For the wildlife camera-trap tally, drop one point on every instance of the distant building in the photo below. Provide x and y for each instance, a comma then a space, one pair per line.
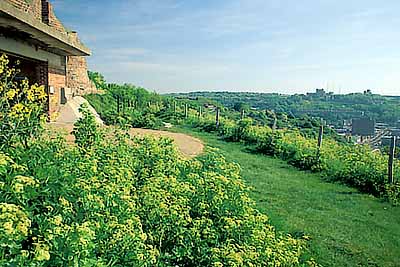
48, 53
368, 92
363, 127
321, 93
210, 106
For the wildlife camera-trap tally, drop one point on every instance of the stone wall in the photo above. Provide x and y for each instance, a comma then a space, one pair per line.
21, 5
77, 77
57, 82
41, 10
33, 7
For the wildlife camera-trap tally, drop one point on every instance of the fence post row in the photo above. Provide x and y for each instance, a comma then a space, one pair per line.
391, 159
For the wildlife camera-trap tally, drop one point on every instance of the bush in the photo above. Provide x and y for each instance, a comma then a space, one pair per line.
21, 107
392, 193
355, 165
86, 130
132, 202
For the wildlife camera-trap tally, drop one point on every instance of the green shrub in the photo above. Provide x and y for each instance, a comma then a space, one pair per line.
392, 193
132, 202
355, 165
86, 130
21, 107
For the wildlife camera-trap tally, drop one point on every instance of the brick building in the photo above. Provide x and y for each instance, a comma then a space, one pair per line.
48, 54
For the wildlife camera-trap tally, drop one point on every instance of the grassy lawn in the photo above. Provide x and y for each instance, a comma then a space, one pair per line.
346, 228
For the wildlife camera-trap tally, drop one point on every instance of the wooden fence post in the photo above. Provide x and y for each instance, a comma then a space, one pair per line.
123, 105
217, 118
118, 108
200, 112
275, 122
242, 114
186, 111
320, 137
391, 159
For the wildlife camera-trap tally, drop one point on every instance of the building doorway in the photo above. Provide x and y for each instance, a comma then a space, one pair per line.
34, 70
27, 69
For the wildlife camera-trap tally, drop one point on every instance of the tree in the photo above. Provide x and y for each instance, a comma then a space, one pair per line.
240, 106
97, 79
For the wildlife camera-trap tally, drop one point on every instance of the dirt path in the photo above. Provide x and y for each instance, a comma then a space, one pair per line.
189, 146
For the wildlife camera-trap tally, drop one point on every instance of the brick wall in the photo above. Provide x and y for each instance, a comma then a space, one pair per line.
41, 10
53, 20
21, 5
36, 9
57, 80
77, 77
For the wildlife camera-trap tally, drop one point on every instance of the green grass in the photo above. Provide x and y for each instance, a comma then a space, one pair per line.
346, 228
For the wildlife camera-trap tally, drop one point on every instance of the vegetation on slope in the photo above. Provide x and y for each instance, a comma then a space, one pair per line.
345, 228
290, 138
332, 108
355, 165
114, 200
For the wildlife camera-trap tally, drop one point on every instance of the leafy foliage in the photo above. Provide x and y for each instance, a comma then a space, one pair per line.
86, 130
332, 108
97, 79
132, 202
21, 107
129, 105
354, 165
129, 201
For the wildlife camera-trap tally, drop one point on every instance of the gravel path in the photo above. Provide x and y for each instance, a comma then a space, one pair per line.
189, 146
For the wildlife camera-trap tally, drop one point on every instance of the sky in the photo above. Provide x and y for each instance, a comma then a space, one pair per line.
284, 46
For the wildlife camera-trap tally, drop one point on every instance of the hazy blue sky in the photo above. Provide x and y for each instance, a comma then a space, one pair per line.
288, 46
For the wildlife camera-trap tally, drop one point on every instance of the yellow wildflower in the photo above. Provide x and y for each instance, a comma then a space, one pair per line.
57, 220
11, 94
13, 221
18, 188
8, 228
25, 253
27, 181
42, 252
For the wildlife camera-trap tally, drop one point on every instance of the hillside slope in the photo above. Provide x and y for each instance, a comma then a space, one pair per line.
346, 228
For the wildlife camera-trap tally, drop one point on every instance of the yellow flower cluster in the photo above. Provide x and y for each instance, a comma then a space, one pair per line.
4, 160
19, 111
42, 252
18, 100
86, 234
20, 182
3, 63
14, 222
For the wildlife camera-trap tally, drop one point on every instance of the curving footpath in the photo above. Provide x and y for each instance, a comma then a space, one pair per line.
189, 146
